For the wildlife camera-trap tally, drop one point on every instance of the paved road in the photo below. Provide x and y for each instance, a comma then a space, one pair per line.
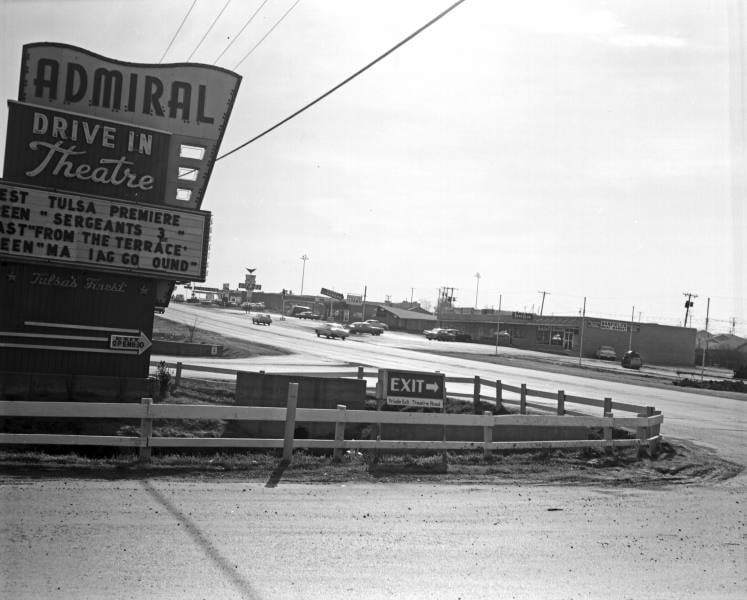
714, 421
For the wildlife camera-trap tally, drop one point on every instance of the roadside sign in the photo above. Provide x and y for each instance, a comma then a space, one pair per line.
411, 388
332, 294
139, 343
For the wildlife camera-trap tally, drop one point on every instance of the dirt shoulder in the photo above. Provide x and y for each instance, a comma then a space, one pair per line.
677, 463
166, 329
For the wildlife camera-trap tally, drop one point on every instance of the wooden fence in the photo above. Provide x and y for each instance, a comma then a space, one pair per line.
646, 427
479, 385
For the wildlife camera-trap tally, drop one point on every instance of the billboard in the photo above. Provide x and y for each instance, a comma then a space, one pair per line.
193, 102
69, 151
46, 226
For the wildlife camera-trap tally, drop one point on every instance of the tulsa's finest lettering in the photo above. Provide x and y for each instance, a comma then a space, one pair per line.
115, 172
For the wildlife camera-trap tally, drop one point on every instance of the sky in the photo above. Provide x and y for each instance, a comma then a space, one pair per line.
588, 149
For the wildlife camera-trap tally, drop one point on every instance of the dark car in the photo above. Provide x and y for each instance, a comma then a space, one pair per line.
460, 336
262, 319
363, 327
631, 360
309, 315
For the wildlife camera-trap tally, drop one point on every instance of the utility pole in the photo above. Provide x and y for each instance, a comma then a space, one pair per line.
705, 338
542, 306
412, 294
498, 325
365, 291
581, 344
688, 303
477, 291
630, 338
304, 258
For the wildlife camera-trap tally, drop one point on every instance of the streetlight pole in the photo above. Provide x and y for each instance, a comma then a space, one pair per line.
477, 291
581, 344
304, 258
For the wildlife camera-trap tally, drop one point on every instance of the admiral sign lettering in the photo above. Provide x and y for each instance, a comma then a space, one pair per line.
192, 102
48, 226
66, 150
332, 294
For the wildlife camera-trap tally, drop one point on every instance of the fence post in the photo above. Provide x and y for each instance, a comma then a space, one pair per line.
146, 430
476, 395
178, 376
290, 422
498, 396
339, 432
608, 432
561, 402
487, 432
523, 399
360, 372
607, 405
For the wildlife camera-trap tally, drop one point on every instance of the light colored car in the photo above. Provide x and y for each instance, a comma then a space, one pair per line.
606, 353
377, 323
331, 330
262, 319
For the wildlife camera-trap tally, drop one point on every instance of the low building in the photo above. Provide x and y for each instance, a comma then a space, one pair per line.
657, 344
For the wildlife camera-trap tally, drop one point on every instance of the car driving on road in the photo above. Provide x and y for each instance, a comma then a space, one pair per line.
331, 330
262, 319
365, 327
307, 314
377, 323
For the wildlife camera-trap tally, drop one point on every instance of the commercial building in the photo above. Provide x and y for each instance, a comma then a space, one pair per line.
657, 344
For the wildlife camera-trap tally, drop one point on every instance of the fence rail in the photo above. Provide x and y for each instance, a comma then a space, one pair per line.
646, 426
562, 399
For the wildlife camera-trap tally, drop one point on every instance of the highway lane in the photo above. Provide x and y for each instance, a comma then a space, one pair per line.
717, 422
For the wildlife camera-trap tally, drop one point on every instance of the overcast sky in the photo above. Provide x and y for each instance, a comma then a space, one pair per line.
584, 148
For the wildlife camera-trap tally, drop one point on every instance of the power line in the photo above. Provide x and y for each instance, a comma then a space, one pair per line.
209, 29
246, 24
177, 31
339, 85
265, 36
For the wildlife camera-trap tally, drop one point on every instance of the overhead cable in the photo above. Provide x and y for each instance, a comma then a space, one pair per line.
225, 6
264, 37
177, 31
246, 24
342, 83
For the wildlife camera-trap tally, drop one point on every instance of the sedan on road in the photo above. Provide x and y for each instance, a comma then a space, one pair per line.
262, 319
331, 330
377, 323
365, 327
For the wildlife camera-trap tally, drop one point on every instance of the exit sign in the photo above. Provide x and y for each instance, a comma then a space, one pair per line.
417, 389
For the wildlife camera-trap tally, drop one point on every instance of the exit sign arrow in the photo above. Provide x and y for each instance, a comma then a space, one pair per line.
139, 343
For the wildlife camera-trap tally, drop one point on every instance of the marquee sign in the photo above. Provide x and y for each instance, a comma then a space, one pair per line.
191, 101
41, 225
68, 151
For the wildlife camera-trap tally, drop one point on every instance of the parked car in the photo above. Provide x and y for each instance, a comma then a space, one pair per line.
364, 327
460, 336
376, 323
432, 334
631, 360
309, 315
262, 319
606, 353
331, 330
